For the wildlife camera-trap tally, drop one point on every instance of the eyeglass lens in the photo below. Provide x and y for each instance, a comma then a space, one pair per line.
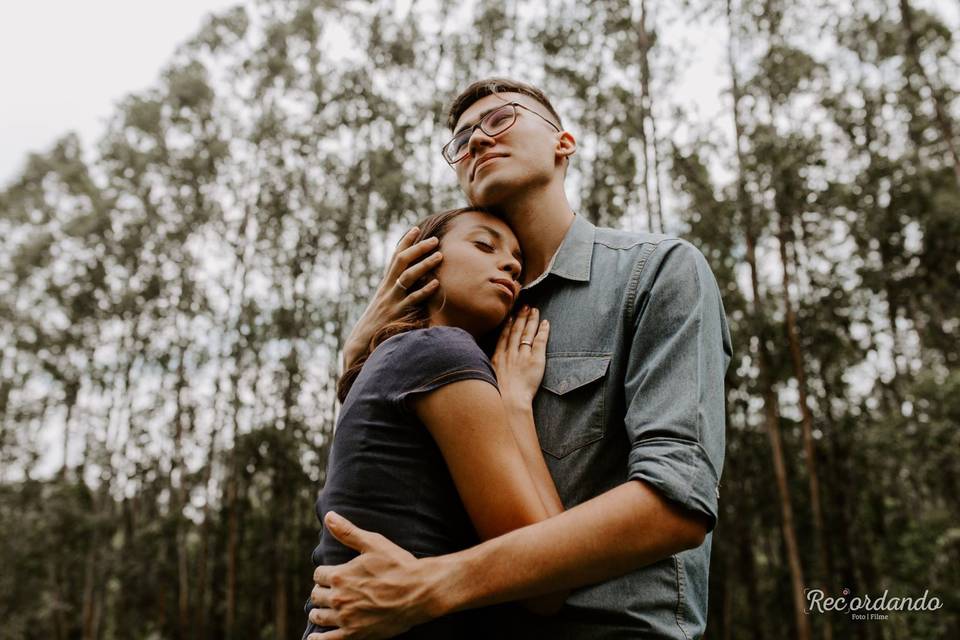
493, 123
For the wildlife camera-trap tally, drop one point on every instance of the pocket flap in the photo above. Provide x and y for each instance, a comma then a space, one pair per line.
566, 373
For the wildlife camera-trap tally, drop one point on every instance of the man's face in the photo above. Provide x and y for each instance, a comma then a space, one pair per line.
524, 156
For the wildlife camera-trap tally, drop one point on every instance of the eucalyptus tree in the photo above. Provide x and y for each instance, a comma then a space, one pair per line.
178, 298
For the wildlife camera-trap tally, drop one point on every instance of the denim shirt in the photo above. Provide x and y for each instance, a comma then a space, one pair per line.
633, 389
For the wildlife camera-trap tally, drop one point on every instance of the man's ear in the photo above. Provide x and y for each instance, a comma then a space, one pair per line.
566, 144
566, 147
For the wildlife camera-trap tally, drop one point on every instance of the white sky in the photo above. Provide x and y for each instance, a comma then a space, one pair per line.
64, 64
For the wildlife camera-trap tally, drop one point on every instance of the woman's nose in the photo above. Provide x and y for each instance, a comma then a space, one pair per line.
512, 266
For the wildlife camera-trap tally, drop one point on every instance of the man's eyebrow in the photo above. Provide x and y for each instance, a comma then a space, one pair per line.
499, 236
479, 118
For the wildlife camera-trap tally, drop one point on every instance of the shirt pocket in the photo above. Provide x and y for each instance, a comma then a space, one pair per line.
570, 408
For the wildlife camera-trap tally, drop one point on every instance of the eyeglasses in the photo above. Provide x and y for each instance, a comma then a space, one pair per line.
492, 124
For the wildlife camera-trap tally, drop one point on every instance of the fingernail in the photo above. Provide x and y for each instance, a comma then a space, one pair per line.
334, 518
544, 323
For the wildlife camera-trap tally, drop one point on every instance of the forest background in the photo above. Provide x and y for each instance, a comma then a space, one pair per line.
173, 298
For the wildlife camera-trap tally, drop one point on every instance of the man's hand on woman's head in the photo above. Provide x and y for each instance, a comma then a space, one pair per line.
521, 355
395, 295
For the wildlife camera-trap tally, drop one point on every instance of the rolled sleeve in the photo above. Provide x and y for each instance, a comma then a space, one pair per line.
674, 382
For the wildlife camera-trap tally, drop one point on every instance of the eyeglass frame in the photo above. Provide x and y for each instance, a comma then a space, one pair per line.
479, 125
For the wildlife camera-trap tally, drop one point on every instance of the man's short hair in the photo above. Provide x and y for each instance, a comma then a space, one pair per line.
491, 86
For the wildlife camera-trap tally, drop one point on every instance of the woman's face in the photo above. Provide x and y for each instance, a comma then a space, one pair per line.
480, 273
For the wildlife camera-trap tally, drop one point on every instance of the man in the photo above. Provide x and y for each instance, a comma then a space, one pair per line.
630, 413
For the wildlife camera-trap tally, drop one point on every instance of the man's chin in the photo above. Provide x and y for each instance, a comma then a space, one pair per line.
492, 195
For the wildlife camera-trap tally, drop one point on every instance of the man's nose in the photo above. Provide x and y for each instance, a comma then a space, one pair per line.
478, 140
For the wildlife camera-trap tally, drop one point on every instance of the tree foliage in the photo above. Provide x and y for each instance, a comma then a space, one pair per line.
174, 299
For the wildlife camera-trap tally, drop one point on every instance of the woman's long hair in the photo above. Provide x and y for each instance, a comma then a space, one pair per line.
418, 317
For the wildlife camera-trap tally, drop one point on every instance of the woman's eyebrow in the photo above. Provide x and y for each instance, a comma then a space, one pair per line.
499, 236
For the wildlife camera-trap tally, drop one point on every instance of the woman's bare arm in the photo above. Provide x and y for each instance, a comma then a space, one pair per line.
524, 430
470, 425
489, 440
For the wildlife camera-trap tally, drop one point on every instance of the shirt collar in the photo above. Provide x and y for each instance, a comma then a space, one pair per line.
572, 260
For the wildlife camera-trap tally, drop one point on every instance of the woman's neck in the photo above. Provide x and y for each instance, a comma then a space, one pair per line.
440, 319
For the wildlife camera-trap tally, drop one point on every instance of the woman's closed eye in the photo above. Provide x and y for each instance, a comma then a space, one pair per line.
485, 246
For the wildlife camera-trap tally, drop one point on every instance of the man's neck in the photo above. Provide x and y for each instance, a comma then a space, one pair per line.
540, 218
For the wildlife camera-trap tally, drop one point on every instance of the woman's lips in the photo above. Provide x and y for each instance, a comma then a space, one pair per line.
504, 287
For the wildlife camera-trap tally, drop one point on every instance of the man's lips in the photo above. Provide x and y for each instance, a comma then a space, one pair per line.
509, 285
484, 159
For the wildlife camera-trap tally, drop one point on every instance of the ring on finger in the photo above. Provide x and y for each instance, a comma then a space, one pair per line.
529, 344
400, 284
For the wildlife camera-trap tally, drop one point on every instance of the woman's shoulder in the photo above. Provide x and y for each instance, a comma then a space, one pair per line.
431, 335
420, 360
431, 348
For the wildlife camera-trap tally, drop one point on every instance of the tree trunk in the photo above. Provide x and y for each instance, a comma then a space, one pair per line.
280, 593
771, 411
772, 422
748, 574
90, 581
5, 388
231, 503
646, 114
71, 388
233, 537
799, 372
203, 571
940, 114
645, 169
55, 586
178, 501
233, 506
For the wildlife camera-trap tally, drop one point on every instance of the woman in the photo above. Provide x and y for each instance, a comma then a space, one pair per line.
435, 444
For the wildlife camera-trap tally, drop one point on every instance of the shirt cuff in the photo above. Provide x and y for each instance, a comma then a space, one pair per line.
681, 471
